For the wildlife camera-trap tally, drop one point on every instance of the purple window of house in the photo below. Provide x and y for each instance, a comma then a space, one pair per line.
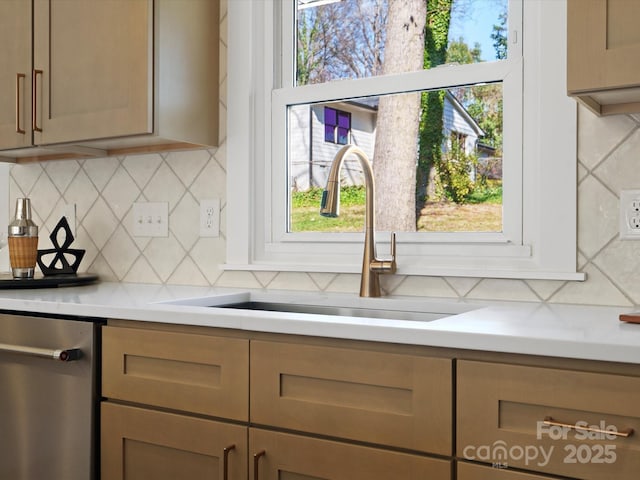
344, 126
329, 133
337, 126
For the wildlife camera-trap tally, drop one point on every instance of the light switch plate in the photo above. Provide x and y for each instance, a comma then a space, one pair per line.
150, 219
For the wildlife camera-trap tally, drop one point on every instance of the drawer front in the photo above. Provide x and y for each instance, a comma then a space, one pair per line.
471, 471
190, 372
389, 399
147, 444
280, 456
502, 410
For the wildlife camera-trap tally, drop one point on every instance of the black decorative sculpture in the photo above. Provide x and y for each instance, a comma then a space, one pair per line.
59, 264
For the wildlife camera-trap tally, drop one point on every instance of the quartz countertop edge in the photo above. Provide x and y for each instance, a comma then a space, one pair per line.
556, 330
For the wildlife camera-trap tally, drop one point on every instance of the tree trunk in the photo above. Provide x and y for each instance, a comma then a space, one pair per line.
394, 163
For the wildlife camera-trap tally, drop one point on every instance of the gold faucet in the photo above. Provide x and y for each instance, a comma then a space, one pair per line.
372, 267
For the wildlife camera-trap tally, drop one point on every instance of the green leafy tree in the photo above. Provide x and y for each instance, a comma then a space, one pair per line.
483, 102
499, 37
454, 173
432, 103
459, 52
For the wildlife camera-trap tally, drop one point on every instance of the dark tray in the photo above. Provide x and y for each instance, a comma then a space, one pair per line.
40, 281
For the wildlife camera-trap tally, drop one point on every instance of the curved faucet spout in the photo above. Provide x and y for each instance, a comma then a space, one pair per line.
330, 207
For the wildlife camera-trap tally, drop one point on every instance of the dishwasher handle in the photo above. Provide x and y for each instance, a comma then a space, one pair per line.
62, 355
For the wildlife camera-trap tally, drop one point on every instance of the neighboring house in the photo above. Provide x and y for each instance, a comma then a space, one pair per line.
318, 132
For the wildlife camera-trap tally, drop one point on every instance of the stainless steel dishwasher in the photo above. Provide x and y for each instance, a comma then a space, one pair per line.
48, 398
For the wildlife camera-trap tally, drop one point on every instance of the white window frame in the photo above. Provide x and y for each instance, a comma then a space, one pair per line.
539, 240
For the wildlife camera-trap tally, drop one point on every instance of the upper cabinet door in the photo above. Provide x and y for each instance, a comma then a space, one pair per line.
603, 41
15, 74
93, 69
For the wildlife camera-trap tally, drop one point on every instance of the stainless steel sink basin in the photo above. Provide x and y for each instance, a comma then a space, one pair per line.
336, 310
338, 305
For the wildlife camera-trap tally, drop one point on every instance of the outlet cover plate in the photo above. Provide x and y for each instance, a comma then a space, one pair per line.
210, 217
630, 214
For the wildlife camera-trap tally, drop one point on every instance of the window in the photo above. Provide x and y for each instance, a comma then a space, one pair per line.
458, 140
535, 237
337, 126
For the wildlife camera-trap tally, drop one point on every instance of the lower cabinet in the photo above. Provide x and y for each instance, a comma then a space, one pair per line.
469, 471
142, 444
177, 405
382, 398
557, 421
282, 456
199, 403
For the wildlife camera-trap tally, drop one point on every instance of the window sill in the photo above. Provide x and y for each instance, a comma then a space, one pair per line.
471, 272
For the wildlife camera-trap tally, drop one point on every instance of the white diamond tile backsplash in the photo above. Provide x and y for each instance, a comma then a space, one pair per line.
104, 190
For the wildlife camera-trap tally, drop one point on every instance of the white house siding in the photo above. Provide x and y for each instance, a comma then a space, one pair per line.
311, 156
455, 121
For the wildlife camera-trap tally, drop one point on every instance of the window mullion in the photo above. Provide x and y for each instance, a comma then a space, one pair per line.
434, 79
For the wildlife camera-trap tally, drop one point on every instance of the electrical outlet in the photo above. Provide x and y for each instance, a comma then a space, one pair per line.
630, 214
151, 219
210, 217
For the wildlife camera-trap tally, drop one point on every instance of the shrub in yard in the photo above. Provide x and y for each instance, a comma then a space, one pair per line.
454, 174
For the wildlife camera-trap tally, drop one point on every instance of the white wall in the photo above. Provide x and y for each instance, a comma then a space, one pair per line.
104, 189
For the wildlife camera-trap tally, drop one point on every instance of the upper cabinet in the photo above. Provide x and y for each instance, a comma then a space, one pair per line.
603, 45
93, 62
15, 74
108, 76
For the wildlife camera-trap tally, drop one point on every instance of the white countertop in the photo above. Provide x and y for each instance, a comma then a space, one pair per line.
570, 331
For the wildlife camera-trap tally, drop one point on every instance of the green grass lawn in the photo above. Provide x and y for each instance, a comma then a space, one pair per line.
482, 213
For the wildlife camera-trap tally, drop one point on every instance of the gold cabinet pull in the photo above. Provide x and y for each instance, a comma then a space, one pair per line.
225, 461
256, 461
627, 432
19, 76
34, 101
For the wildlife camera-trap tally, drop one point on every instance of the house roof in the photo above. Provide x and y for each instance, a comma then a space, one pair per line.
465, 114
371, 103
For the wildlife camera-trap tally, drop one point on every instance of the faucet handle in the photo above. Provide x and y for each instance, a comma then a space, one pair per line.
392, 264
386, 266
393, 247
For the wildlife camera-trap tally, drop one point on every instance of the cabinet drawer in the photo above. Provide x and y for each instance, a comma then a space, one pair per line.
195, 373
293, 457
502, 410
148, 444
383, 398
470, 471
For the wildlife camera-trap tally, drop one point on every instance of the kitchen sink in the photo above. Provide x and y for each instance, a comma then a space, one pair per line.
336, 310
338, 305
